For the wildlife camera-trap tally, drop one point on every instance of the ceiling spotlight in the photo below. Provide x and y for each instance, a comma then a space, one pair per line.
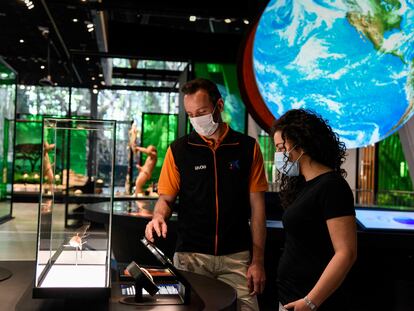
42, 67
95, 86
90, 29
227, 20
100, 75
55, 84
93, 78
192, 18
102, 82
246, 21
21, 41
89, 25
87, 59
75, 20
95, 91
29, 4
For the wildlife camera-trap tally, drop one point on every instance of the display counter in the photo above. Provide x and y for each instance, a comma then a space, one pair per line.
384, 268
16, 294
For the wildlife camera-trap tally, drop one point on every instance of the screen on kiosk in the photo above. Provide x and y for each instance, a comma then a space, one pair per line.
387, 220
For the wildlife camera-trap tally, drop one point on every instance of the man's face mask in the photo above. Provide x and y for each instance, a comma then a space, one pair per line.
205, 125
285, 166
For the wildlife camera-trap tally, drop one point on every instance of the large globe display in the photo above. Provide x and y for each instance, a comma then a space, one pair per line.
350, 61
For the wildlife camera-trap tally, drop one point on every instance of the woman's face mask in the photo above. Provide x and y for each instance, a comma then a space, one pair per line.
205, 125
285, 166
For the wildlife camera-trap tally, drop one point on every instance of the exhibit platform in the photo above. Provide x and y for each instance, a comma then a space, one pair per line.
16, 294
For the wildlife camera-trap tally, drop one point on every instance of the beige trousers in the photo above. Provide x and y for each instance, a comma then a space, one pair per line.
231, 269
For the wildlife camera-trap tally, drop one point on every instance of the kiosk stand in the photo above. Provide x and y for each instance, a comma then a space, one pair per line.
175, 293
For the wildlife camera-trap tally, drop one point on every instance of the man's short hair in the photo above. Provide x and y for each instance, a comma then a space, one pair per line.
195, 85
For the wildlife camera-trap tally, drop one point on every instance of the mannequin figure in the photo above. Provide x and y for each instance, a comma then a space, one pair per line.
145, 171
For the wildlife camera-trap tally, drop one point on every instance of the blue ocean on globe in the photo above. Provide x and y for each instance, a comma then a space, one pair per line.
350, 61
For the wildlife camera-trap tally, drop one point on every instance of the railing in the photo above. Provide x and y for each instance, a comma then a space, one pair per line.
396, 199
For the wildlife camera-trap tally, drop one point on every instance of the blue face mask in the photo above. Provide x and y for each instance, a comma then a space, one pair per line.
285, 166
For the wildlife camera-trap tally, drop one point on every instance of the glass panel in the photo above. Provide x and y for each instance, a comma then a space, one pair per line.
81, 102
27, 156
79, 258
130, 82
122, 183
148, 64
39, 100
395, 188
158, 130
268, 150
7, 107
225, 76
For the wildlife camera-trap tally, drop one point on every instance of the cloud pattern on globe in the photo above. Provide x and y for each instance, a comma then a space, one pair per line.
350, 61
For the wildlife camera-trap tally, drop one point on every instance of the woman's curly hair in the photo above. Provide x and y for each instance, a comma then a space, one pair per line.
309, 131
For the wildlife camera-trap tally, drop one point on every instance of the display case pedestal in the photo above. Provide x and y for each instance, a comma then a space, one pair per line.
5, 274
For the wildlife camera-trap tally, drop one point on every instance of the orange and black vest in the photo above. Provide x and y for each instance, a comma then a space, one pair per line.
213, 204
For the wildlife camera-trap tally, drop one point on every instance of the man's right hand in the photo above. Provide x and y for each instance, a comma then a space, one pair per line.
157, 225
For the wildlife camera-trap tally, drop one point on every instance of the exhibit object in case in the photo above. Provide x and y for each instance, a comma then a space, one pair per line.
74, 263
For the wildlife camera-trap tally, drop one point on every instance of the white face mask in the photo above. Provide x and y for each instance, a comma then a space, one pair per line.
285, 166
205, 125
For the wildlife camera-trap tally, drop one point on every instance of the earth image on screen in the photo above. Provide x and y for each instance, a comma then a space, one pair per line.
350, 61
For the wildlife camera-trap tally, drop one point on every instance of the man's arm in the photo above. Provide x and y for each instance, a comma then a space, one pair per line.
256, 274
162, 212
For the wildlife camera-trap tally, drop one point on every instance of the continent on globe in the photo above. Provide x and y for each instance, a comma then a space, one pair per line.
351, 61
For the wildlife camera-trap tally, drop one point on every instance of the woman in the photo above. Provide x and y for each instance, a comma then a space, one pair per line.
319, 218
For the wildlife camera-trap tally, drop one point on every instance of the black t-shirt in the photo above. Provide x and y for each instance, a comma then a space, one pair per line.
308, 247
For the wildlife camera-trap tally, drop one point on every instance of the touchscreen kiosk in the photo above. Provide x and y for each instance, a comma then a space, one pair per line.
388, 220
176, 292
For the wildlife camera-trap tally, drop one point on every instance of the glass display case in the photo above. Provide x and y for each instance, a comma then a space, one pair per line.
74, 263
8, 81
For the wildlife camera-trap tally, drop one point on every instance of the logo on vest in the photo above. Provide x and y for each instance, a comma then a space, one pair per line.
234, 165
200, 167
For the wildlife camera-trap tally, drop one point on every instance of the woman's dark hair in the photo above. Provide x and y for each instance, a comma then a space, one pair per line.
210, 87
309, 131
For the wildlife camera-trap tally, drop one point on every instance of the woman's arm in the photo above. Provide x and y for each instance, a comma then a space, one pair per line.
342, 231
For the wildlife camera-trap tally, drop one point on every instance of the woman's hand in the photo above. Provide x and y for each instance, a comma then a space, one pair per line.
298, 305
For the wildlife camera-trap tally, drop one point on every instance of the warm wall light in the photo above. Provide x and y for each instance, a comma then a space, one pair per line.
227, 20
192, 18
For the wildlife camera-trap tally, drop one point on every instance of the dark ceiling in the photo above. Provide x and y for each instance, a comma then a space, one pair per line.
138, 29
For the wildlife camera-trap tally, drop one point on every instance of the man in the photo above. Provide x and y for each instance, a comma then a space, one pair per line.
218, 175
